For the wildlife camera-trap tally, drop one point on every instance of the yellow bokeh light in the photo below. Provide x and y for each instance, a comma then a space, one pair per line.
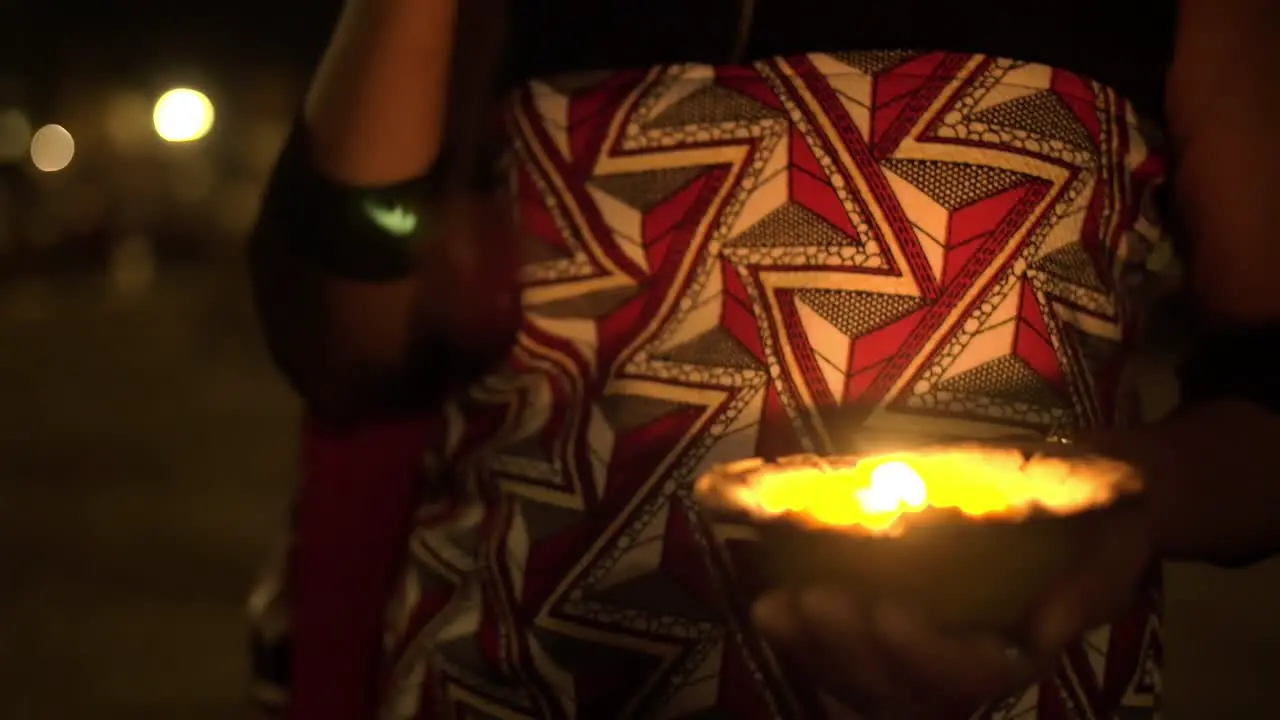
183, 115
52, 148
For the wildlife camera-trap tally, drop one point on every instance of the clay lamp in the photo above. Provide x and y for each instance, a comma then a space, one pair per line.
971, 535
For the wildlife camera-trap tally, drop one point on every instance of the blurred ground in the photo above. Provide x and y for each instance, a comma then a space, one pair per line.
145, 467
145, 464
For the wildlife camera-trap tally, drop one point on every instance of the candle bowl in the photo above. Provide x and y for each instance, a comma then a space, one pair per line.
972, 536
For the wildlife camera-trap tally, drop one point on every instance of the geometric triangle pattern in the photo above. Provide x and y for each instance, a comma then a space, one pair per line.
954, 185
1073, 265
1013, 379
727, 262
1044, 113
855, 313
873, 62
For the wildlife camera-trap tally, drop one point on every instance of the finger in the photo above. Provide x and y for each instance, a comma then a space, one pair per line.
1097, 591
823, 633
838, 627
959, 669
775, 619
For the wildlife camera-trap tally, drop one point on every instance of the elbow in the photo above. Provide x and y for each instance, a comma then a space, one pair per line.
339, 344
345, 392
360, 349
343, 376
289, 301
343, 395
346, 399
332, 387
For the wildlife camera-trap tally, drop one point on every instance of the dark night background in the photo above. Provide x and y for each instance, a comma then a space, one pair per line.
146, 448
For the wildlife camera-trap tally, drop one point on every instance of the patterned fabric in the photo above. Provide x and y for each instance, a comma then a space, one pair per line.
722, 261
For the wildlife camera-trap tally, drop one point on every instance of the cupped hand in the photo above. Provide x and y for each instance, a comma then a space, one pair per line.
886, 659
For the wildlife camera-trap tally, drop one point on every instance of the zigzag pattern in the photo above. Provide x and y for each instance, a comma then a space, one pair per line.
722, 261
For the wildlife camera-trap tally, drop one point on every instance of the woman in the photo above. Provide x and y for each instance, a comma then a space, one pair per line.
915, 216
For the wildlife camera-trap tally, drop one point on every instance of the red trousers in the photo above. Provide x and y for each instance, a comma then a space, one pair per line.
356, 501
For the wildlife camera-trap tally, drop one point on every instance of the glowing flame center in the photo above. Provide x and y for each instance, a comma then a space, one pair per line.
878, 494
894, 486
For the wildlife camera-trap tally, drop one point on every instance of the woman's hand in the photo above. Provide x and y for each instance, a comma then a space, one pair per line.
890, 661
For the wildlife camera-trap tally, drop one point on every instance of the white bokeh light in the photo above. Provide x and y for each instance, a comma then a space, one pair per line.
52, 148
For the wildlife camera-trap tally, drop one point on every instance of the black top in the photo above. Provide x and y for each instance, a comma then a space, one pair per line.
1126, 44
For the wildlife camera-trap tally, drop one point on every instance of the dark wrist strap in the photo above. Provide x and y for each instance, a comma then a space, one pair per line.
367, 234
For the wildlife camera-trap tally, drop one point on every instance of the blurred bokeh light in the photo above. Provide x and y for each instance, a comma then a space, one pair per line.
52, 148
15, 135
183, 115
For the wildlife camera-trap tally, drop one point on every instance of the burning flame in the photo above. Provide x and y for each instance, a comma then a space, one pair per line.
878, 494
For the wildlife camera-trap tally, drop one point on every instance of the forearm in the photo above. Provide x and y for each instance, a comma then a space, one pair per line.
1213, 486
1223, 91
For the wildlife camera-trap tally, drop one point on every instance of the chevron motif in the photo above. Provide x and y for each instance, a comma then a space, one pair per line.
806, 254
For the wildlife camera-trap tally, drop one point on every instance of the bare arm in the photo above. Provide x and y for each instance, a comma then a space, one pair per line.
376, 105
1216, 485
376, 115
